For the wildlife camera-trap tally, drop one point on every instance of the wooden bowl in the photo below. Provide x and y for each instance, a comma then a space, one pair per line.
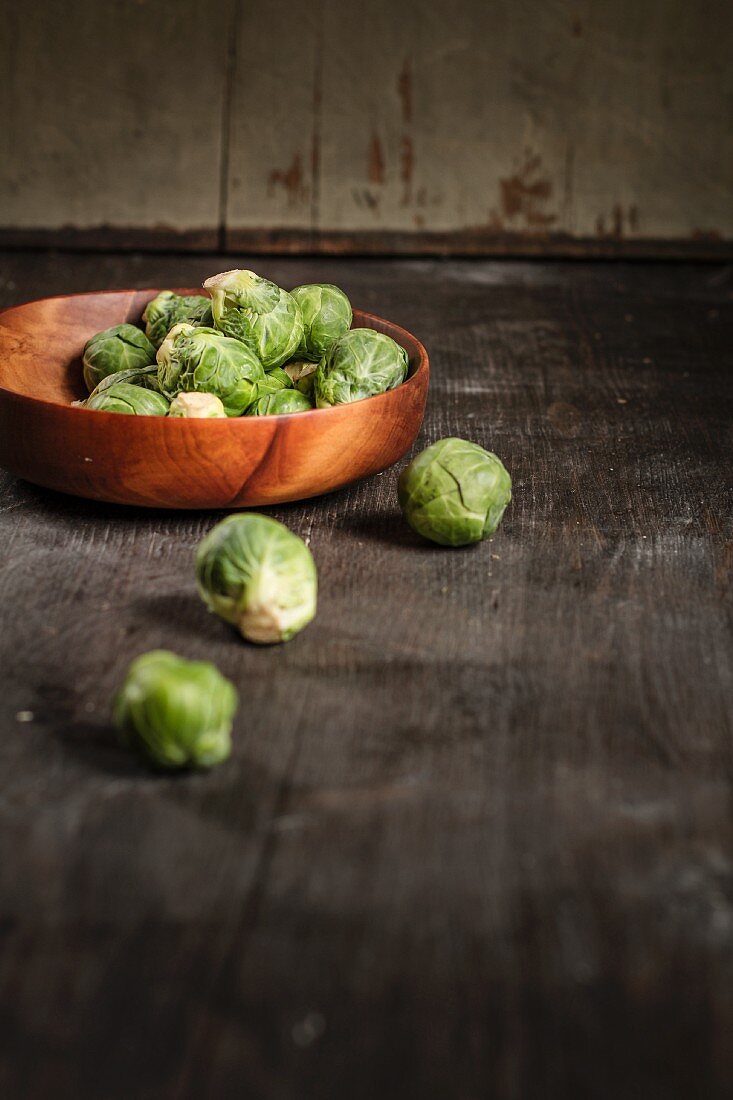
163, 462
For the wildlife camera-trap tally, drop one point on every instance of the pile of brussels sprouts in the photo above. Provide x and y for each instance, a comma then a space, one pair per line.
257, 575
250, 349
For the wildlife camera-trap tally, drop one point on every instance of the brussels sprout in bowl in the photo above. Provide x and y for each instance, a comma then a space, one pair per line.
121, 347
124, 397
168, 309
327, 315
197, 358
240, 461
302, 374
282, 403
362, 363
258, 312
195, 405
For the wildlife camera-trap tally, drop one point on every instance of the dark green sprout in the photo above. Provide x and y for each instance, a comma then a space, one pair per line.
122, 347
454, 492
123, 397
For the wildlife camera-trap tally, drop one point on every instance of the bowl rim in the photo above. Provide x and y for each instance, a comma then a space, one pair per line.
415, 378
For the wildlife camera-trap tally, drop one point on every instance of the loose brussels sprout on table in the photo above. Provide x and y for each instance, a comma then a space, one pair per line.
280, 404
123, 397
121, 347
257, 575
197, 406
361, 363
168, 309
326, 316
260, 314
175, 713
454, 492
199, 358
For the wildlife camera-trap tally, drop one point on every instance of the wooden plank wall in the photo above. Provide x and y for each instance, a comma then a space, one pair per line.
589, 126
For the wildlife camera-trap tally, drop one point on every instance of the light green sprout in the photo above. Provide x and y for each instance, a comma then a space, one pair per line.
258, 313
197, 406
274, 381
454, 492
257, 575
326, 316
280, 403
175, 713
199, 358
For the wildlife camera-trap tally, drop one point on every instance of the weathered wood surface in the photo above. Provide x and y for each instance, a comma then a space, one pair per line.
456, 124
112, 116
475, 837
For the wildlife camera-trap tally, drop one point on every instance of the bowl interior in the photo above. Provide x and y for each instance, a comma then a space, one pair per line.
41, 343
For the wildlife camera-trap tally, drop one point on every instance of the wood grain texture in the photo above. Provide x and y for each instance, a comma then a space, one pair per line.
599, 126
475, 836
162, 462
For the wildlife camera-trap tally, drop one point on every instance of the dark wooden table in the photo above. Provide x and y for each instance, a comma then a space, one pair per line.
475, 839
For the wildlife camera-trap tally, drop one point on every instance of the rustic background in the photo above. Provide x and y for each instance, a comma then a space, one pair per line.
554, 126
475, 839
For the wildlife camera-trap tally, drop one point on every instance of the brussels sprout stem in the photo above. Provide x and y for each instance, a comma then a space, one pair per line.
262, 620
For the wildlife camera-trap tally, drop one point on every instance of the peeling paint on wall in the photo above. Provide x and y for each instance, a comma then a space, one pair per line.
375, 161
620, 106
524, 195
404, 90
407, 163
291, 180
623, 221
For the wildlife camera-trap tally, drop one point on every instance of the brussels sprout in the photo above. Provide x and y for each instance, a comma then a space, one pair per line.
274, 381
326, 316
118, 348
147, 377
303, 374
175, 713
168, 309
454, 492
192, 358
257, 575
197, 406
123, 397
136, 376
361, 363
257, 312
280, 403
